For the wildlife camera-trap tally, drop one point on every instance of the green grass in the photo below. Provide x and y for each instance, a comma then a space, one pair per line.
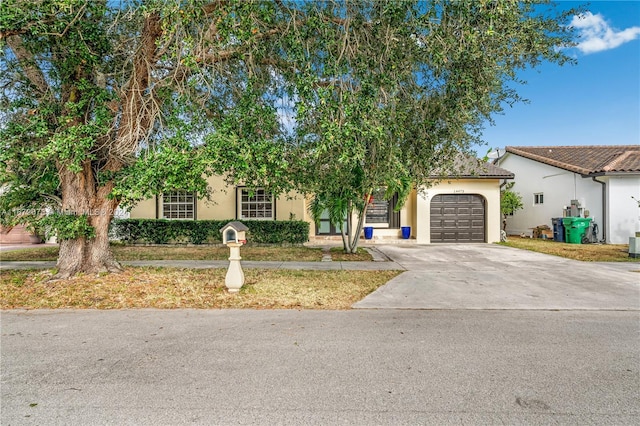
584, 252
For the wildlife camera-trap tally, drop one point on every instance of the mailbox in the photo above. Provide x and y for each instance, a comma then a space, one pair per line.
234, 232
234, 236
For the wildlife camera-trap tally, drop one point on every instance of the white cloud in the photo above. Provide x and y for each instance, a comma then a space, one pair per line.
595, 34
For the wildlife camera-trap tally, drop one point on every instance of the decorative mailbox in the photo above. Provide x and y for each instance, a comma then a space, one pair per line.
234, 236
234, 232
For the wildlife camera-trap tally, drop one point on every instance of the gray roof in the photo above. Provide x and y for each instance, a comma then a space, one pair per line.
238, 226
468, 167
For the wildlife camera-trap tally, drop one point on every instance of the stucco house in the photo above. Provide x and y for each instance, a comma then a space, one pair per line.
601, 181
460, 209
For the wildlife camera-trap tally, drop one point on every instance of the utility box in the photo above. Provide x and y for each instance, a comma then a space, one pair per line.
234, 232
634, 246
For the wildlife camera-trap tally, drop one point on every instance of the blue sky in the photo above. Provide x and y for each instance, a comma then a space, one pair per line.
596, 102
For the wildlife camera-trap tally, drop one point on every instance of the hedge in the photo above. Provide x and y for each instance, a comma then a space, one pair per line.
162, 231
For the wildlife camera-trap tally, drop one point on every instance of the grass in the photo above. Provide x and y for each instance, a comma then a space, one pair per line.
584, 252
172, 288
125, 253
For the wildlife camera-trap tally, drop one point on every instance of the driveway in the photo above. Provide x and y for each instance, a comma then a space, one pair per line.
487, 276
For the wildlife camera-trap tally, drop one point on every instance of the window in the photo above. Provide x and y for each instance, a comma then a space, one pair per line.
256, 204
538, 198
178, 205
381, 211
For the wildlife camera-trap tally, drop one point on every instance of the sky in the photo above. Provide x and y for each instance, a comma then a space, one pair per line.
596, 102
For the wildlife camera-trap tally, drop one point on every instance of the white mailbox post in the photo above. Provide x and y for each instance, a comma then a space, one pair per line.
234, 236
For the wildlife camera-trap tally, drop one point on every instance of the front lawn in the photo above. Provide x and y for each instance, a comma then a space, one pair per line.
584, 252
171, 288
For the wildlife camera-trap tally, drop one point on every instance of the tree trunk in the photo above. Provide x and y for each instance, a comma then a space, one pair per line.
79, 197
353, 244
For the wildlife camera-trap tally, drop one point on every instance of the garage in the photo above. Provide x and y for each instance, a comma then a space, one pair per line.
457, 218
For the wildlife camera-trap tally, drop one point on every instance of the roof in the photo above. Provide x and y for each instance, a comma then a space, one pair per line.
238, 226
467, 167
585, 160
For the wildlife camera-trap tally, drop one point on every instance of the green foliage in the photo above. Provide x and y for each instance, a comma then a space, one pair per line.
510, 201
111, 101
66, 226
206, 231
104, 102
389, 92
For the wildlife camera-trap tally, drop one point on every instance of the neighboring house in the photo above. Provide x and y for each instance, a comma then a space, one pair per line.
601, 178
460, 210
16, 235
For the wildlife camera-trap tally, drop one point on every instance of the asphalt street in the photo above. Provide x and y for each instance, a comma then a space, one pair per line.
468, 334
392, 367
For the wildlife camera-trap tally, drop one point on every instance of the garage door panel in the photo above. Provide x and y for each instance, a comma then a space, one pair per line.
448, 199
457, 218
462, 224
449, 236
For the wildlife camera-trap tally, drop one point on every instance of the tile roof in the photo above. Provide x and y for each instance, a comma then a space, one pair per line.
585, 160
468, 167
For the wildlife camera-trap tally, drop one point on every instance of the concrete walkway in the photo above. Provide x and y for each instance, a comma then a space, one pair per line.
207, 264
380, 262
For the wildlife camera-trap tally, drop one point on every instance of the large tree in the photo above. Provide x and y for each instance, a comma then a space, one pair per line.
106, 102
395, 90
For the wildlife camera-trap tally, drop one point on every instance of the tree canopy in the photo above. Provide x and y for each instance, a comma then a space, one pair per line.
106, 103
388, 92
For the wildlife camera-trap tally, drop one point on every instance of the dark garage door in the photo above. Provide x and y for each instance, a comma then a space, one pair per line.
457, 218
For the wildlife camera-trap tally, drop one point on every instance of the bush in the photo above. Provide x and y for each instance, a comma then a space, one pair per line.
162, 231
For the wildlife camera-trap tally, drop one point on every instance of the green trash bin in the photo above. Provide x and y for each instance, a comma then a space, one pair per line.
575, 228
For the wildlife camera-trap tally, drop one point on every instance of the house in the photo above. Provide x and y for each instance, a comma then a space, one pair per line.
460, 209
598, 181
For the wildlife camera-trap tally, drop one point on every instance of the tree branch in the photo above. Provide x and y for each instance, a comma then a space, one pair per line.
137, 105
28, 64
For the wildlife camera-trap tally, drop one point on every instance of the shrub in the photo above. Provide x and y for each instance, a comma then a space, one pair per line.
162, 231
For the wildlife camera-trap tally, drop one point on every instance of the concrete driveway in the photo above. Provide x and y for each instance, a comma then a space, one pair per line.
486, 276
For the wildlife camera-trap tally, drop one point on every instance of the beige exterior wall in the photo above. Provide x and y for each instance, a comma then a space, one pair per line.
415, 213
222, 205
487, 188
145, 209
292, 206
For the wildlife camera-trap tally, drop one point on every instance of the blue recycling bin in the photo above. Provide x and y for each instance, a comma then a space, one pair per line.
558, 229
406, 232
368, 232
